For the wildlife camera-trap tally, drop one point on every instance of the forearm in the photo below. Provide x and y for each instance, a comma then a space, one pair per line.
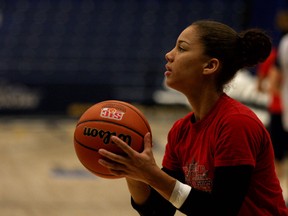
155, 204
139, 191
161, 182
147, 201
225, 198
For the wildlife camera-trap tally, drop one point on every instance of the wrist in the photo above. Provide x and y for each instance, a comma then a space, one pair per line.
179, 194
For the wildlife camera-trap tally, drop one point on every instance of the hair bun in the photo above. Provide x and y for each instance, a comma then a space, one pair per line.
255, 46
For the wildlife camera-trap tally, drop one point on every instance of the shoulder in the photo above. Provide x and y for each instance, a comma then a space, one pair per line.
236, 115
239, 130
179, 126
234, 106
183, 121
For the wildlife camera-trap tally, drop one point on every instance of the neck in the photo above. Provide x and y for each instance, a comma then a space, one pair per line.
201, 105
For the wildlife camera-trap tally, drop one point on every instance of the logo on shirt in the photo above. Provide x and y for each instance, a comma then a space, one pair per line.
196, 175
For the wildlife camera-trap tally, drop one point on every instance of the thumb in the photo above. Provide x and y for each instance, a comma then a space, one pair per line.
148, 141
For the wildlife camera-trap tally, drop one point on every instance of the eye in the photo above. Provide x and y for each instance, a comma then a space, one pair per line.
181, 49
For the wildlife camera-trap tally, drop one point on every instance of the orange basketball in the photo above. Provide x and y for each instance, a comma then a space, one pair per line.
96, 126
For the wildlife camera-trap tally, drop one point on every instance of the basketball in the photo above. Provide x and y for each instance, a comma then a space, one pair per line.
99, 123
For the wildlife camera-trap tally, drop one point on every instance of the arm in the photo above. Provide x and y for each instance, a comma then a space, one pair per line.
275, 80
139, 191
155, 204
230, 186
140, 170
161, 182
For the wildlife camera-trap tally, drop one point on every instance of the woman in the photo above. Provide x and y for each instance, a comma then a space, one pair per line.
269, 71
282, 23
219, 158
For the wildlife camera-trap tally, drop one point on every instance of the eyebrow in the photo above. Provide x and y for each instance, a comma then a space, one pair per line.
182, 41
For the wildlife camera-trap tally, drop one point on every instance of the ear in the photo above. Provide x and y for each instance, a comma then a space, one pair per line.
211, 66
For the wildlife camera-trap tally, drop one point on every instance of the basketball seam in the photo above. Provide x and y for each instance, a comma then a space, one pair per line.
99, 173
88, 147
140, 114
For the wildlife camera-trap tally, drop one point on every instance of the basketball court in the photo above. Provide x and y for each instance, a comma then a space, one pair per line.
41, 175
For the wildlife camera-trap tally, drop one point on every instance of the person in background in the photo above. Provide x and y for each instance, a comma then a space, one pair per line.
272, 70
219, 158
270, 81
283, 63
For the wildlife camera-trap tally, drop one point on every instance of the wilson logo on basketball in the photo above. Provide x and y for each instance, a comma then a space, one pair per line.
111, 113
105, 135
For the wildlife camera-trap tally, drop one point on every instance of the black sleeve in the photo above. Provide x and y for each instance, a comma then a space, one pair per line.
156, 205
230, 186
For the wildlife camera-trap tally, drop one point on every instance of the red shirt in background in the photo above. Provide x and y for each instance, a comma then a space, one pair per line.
275, 105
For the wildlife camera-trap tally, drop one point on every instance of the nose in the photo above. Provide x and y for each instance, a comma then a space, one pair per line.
168, 56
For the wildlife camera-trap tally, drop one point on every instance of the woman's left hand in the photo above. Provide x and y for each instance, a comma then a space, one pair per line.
134, 165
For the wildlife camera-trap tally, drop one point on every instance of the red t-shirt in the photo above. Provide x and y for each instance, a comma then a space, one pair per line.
230, 135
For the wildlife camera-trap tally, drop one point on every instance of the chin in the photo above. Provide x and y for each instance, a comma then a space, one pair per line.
171, 85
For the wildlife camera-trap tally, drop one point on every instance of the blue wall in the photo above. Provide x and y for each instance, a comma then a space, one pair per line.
60, 52
263, 16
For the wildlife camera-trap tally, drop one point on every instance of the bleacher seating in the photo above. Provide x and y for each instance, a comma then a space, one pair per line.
84, 43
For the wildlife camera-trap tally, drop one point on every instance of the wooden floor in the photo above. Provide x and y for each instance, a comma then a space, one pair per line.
40, 174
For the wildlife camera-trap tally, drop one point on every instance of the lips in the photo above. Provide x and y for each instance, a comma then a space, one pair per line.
168, 68
168, 71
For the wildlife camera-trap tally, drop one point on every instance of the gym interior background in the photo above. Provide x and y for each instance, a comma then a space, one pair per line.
58, 56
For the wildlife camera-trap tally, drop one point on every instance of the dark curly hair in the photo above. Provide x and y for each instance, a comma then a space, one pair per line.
234, 50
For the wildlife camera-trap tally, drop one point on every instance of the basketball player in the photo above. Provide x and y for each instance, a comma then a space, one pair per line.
283, 55
219, 158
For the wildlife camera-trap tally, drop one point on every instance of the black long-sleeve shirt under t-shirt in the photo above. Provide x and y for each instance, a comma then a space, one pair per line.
230, 186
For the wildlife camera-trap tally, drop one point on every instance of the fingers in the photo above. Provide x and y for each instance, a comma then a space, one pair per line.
147, 140
115, 163
130, 164
130, 153
110, 165
127, 149
116, 158
110, 155
121, 144
115, 169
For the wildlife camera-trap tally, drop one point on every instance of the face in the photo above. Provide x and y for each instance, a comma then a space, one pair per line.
186, 62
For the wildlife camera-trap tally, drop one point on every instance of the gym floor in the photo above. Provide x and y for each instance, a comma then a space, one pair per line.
41, 175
